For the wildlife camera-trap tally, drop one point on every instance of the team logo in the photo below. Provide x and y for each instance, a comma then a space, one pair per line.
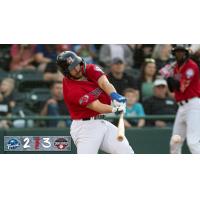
13, 144
70, 60
189, 73
61, 143
37, 142
84, 99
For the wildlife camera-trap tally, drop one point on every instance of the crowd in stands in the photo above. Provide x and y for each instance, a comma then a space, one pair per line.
31, 83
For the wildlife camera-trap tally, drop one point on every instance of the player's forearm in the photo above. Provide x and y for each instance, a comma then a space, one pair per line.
108, 88
105, 85
105, 109
100, 107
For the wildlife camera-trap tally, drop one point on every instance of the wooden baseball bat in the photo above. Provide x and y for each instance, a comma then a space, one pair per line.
121, 128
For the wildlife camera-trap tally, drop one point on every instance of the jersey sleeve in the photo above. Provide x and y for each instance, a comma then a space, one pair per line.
188, 76
94, 72
83, 98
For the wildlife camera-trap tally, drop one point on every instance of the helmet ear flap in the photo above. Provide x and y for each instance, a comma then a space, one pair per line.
65, 72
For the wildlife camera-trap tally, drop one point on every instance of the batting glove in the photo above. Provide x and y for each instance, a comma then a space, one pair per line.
118, 109
117, 97
117, 104
168, 70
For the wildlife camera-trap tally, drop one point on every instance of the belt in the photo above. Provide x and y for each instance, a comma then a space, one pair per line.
181, 103
92, 118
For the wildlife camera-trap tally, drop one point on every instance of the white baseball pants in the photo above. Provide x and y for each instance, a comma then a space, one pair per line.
91, 135
187, 126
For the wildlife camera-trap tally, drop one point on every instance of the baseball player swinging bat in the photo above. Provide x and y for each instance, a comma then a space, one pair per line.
121, 129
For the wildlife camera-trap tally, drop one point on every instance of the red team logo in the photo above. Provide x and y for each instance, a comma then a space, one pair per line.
83, 100
37, 143
61, 143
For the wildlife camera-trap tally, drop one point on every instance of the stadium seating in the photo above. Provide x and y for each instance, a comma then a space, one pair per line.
27, 80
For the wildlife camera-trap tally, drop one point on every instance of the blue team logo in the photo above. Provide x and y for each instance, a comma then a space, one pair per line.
13, 144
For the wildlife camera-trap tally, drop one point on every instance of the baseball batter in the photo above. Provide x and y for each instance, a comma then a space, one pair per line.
88, 95
183, 79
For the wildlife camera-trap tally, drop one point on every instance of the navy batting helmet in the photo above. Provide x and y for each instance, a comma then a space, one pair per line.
68, 60
180, 48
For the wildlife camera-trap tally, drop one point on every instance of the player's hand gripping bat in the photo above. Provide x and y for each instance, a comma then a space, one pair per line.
121, 128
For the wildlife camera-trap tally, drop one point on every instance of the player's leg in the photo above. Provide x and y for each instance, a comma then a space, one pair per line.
110, 144
179, 132
87, 136
193, 127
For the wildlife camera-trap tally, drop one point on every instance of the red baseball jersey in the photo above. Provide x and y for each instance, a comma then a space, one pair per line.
78, 94
188, 76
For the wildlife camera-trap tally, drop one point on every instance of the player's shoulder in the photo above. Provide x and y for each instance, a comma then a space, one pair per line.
65, 80
94, 67
192, 63
90, 66
67, 83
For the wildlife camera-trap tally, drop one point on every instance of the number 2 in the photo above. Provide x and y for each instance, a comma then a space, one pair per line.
26, 143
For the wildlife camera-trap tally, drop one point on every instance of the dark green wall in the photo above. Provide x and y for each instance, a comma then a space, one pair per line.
151, 140
143, 141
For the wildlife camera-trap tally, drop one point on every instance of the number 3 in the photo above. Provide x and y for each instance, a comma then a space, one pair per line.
46, 141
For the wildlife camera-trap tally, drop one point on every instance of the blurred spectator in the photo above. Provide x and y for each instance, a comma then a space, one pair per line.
51, 73
160, 104
142, 51
119, 78
7, 102
7, 91
195, 47
147, 77
55, 106
44, 54
63, 47
195, 53
110, 51
133, 109
87, 51
22, 57
5, 57
162, 55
